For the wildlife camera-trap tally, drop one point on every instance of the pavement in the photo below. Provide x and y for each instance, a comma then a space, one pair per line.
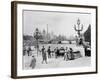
59, 62
55, 62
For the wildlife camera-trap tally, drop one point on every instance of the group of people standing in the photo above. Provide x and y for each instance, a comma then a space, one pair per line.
49, 53
68, 53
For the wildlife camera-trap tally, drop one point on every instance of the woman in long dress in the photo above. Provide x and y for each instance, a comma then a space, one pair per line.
33, 62
66, 54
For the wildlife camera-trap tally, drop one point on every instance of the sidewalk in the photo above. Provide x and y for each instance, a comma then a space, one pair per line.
60, 63
57, 63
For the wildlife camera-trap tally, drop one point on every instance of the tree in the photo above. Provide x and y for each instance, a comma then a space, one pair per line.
87, 34
27, 37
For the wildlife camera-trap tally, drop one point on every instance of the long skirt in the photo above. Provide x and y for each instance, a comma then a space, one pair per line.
33, 63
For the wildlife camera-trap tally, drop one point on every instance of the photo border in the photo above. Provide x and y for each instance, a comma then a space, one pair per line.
14, 37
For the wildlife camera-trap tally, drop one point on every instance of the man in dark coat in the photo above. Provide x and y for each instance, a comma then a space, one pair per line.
44, 56
49, 52
57, 52
71, 54
28, 51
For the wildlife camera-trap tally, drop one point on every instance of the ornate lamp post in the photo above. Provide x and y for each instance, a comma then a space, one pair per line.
37, 36
78, 30
79, 27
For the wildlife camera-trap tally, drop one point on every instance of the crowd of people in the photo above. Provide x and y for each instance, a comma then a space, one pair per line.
47, 53
67, 54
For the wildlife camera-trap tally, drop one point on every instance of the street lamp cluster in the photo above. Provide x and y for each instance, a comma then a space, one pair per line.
79, 27
37, 36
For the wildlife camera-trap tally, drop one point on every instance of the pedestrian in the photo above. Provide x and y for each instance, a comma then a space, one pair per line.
28, 51
71, 54
33, 62
49, 52
56, 52
66, 54
24, 51
44, 56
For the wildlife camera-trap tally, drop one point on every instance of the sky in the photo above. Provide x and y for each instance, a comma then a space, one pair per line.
58, 22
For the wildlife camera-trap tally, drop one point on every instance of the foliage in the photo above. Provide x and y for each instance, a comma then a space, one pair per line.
87, 34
